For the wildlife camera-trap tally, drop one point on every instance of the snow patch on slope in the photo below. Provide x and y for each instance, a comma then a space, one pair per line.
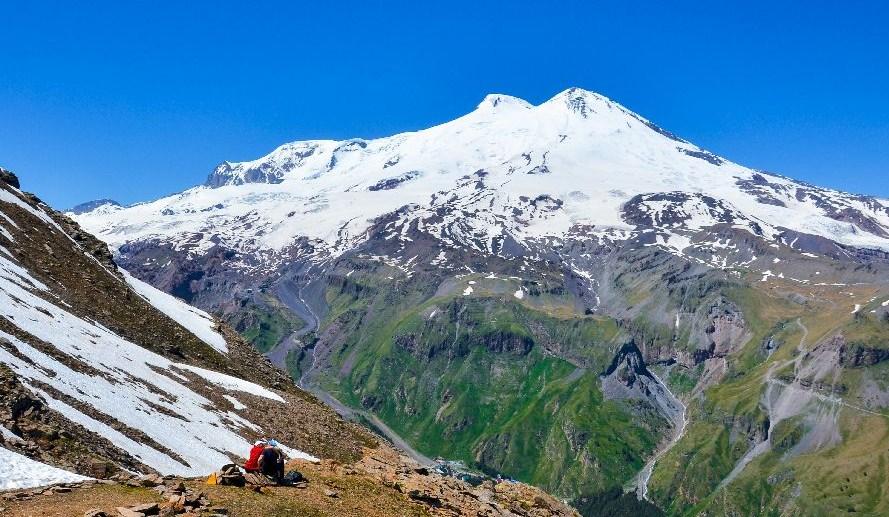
194, 320
9, 197
231, 383
17, 471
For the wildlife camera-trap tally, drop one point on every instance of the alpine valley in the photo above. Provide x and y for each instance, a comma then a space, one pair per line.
565, 294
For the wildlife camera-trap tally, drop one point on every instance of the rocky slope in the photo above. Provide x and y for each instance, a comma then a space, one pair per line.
101, 372
381, 484
563, 293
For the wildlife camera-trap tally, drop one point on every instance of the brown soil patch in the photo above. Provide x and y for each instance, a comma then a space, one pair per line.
77, 502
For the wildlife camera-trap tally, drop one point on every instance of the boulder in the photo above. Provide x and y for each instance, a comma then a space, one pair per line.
126, 512
151, 480
100, 469
146, 509
176, 502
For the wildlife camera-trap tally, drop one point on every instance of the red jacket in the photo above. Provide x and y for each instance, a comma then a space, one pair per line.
253, 462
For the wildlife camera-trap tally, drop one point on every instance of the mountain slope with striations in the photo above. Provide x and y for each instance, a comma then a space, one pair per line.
102, 372
563, 293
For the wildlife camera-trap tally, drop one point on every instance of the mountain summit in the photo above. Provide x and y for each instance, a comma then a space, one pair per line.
505, 171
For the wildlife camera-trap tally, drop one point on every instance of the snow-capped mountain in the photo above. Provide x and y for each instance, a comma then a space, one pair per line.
506, 172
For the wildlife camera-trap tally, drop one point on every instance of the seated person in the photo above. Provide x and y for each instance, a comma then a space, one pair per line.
271, 461
252, 464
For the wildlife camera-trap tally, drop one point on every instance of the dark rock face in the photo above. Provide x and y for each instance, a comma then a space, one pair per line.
702, 155
505, 342
657, 129
628, 365
546, 203
391, 183
493, 451
846, 214
764, 191
859, 356
628, 377
345, 147
747, 428
9, 178
859, 219
727, 329
408, 342
93, 246
228, 173
540, 169
432, 345
637, 212
576, 101
222, 175
771, 193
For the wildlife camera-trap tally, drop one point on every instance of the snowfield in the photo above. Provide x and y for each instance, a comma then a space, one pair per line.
129, 383
508, 168
17, 471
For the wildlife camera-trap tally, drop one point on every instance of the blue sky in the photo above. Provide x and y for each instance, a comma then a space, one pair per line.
134, 100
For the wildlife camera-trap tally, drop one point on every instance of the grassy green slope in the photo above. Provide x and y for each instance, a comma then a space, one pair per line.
511, 386
849, 476
265, 325
477, 379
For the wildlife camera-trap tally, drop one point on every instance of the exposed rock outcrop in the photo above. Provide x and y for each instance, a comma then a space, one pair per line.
9, 178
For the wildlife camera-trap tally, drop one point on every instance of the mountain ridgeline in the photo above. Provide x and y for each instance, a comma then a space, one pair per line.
566, 294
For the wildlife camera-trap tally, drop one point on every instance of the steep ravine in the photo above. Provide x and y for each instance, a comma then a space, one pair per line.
291, 295
357, 414
777, 406
679, 425
783, 400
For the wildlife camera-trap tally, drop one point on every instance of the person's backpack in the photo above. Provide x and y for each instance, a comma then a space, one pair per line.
293, 477
229, 475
